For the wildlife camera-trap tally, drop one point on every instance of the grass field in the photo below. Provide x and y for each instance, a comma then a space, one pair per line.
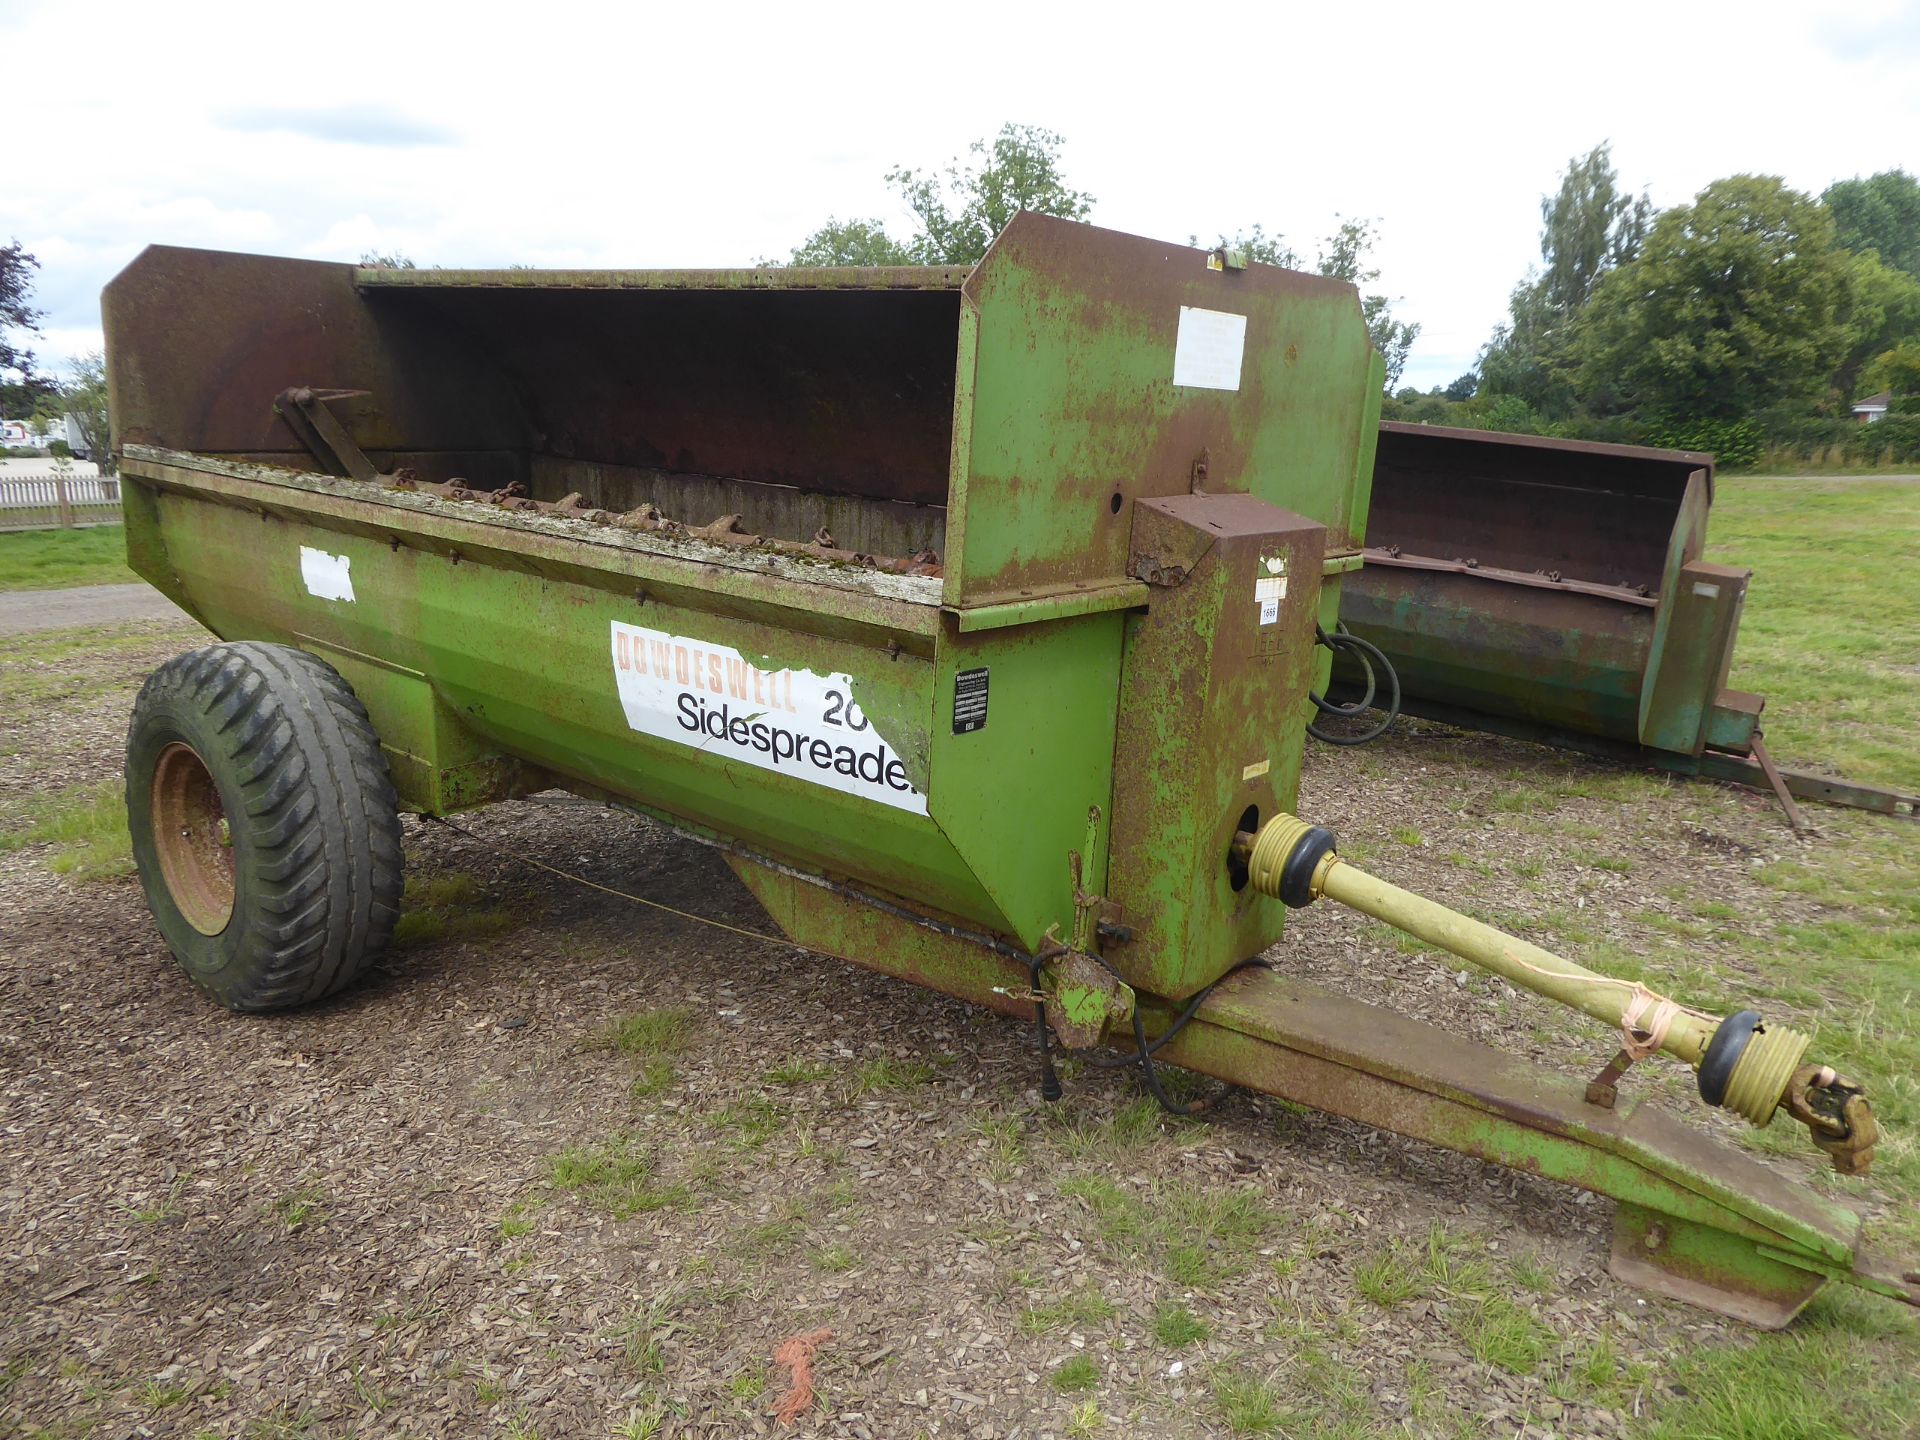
1831, 634
58, 559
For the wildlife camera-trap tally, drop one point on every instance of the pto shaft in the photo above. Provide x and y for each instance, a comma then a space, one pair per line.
1744, 1065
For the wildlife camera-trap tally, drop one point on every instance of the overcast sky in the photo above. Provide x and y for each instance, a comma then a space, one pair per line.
712, 134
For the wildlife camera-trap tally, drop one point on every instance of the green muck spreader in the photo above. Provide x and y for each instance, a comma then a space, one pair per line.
972, 614
1557, 590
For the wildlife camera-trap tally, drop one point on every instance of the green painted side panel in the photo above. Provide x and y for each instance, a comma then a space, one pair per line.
960, 457
1016, 794
147, 553
1068, 419
1366, 450
438, 762
1360, 509
1564, 660
838, 925
1692, 646
1678, 707
527, 665
1686, 542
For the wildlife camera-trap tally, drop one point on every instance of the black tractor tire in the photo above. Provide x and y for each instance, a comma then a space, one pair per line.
264, 823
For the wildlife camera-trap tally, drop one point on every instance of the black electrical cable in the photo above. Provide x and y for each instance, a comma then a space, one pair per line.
1144, 1049
1367, 654
1050, 1086
1120, 1062
1349, 708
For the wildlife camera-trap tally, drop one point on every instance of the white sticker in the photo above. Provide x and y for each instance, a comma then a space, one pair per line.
1208, 349
1706, 591
1271, 588
1256, 770
326, 575
793, 722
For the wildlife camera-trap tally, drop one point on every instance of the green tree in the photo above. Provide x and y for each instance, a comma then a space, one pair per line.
84, 397
1882, 309
1343, 256
962, 208
1588, 227
1529, 356
851, 242
1735, 302
20, 388
1896, 371
1880, 214
1511, 415
959, 209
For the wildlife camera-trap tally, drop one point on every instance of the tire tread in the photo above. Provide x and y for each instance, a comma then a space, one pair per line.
319, 810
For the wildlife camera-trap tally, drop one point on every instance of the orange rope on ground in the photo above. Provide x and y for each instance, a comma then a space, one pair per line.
796, 1356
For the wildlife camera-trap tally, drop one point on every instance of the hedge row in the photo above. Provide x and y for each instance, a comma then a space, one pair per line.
1780, 439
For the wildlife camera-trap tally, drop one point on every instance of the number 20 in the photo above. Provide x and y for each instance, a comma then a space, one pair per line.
838, 706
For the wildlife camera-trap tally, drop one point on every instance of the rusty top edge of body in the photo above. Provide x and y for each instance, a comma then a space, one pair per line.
907, 603
948, 278
1695, 458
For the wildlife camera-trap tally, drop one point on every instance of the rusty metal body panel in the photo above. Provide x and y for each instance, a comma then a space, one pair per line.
1215, 667
1553, 583
1073, 404
921, 481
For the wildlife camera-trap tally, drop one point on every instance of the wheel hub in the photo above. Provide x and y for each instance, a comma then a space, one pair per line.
193, 839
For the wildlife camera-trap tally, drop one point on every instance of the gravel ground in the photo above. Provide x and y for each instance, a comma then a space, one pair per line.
23, 611
444, 1205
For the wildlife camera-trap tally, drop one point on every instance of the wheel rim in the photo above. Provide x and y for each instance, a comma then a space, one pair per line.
193, 839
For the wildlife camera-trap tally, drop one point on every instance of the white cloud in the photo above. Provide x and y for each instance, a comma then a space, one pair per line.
61, 344
592, 135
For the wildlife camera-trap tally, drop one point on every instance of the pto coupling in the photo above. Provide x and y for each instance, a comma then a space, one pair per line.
1288, 859
1744, 1064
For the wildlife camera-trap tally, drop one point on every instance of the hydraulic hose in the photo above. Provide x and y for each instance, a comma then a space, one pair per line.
1369, 655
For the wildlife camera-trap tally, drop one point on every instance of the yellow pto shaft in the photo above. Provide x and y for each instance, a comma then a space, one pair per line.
1744, 1064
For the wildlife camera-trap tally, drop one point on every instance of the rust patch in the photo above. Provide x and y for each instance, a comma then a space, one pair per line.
649, 519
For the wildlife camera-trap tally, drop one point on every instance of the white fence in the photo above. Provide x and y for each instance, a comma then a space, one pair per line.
42, 501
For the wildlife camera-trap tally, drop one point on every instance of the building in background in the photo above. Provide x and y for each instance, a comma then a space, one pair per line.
1873, 408
39, 434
